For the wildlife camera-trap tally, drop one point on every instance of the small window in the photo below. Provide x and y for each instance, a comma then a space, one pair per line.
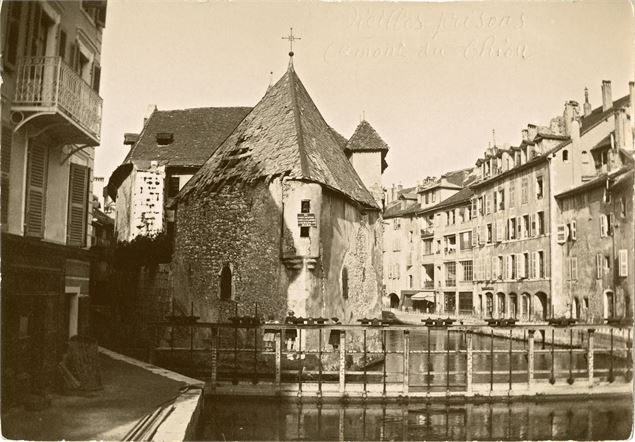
585, 157
345, 283
565, 155
174, 186
304, 232
226, 283
622, 207
305, 206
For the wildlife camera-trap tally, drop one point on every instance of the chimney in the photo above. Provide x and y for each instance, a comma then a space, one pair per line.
587, 105
525, 134
623, 130
570, 114
607, 101
532, 131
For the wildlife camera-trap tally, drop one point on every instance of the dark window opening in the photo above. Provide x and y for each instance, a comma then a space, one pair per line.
304, 232
345, 283
305, 206
173, 186
13, 31
226, 283
565, 155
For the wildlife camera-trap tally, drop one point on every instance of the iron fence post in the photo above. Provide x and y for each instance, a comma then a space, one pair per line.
406, 361
469, 363
590, 356
530, 357
611, 377
278, 343
342, 375
214, 349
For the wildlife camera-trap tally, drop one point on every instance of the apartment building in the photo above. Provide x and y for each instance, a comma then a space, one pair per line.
425, 257
51, 121
522, 201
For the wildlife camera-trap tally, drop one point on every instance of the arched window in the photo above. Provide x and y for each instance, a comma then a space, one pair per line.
565, 155
345, 283
226, 283
489, 305
575, 309
526, 306
513, 306
500, 300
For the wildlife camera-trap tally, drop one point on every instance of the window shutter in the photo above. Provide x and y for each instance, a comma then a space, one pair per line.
572, 230
96, 77
5, 166
37, 166
623, 262
494, 267
77, 205
532, 263
519, 265
611, 224
500, 230
598, 266
61, 49
519, 227
603, 225
574, 268
510, 265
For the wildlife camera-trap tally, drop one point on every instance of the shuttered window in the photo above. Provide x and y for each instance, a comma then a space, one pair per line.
623, 263
77, 205
37, 168
599, 266
5, 166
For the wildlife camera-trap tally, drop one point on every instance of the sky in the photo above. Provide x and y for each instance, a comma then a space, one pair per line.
434, 79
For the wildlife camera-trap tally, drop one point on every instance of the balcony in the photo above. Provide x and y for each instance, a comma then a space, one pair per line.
52, 97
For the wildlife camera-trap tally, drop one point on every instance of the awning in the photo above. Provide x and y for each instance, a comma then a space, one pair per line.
423, 297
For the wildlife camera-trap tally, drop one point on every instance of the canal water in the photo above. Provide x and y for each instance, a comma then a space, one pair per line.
260, 419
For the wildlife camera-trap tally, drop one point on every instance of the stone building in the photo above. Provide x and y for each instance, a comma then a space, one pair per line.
424, 246
595, 225
516, 217
171, 147
51, 122
278, 219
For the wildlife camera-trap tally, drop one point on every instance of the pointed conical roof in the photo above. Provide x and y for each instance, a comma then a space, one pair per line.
365, 137
284, 135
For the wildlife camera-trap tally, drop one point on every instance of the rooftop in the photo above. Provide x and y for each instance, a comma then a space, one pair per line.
283, 136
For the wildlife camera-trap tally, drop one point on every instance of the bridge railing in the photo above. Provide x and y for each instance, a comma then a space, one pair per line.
384, 359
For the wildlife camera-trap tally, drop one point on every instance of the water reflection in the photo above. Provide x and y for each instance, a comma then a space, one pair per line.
248, 419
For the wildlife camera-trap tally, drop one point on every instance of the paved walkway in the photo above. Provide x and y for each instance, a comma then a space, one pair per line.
129, 393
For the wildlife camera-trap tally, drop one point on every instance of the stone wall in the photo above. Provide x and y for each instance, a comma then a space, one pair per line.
242, 226
238, 225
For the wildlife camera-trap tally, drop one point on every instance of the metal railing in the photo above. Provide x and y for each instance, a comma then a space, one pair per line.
379, 359
50, 84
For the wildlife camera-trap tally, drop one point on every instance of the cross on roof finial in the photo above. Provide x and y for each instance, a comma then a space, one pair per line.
291, 39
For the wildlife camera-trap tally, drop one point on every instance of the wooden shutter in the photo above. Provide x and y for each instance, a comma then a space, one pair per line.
623, 262
96, 77
77, 205
500, 230
574, 268
37, 167
5, 166
599, 266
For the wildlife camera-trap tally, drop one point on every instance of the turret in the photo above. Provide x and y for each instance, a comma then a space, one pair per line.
367, 153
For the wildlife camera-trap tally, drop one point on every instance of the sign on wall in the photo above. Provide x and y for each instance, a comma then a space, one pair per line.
307, 220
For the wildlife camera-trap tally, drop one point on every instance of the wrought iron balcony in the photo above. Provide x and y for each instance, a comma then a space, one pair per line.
50, 95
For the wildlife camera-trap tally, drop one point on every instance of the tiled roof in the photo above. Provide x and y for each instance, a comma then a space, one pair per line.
456, 177
341, 139
197, 133
394, 210
459, 197
597, 181
597, 115
284, 136
365, 138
